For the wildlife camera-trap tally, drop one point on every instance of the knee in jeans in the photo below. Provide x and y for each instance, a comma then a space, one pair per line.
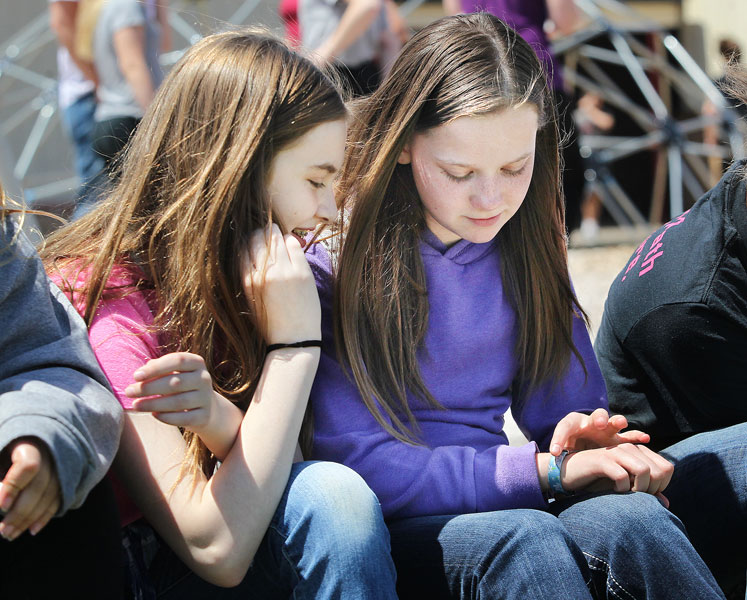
339, 503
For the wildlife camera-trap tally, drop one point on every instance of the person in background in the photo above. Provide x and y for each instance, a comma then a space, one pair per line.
76, 89
59, 431
126, 44
353, 35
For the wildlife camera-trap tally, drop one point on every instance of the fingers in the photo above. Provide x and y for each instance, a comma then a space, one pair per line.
647, 471
571, 423
26, 461
30, 490
633, 437
169, 363
171, 384
600, 418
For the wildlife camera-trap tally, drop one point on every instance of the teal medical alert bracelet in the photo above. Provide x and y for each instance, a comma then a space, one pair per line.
553, 475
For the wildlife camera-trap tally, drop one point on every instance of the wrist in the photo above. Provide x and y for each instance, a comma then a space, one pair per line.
543, 459
308, 343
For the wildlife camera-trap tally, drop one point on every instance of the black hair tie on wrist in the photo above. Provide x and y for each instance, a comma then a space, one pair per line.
303, 344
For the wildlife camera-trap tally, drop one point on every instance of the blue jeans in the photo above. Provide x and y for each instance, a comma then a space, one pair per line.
78, 121
708, 492
605, 546
327, 540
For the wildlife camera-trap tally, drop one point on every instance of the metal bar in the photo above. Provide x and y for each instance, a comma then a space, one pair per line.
632, 146
700, 149
639, 75
242, 13
697, 74
699, 166
674, 163
15, 120
34, 140
644, 119
693, 186
180, 25
29, 77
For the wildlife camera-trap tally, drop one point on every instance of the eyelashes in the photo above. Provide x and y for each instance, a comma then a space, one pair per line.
468, 176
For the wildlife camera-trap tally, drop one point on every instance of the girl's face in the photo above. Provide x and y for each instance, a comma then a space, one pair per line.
301, 178
473, 173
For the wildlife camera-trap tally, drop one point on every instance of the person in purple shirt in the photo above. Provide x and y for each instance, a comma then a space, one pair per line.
450, 302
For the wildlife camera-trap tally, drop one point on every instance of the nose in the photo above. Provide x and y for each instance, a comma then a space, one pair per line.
327, 209
487, 195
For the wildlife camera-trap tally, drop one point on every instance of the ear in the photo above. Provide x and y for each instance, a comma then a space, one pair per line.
405, 158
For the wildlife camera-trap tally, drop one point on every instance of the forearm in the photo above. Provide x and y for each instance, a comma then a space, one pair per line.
219, 435
356, 19
62, 21
139, 79
129, 46
452, 7
217, 529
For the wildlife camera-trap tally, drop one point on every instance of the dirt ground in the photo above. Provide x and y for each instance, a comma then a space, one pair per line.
592, 273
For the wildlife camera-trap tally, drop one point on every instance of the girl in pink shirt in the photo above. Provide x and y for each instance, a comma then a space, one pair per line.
204, 315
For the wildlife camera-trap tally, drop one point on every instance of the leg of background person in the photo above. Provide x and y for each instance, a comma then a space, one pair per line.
76, 556
327, 540
110, 137
511, 554
636, 548
708, 492
78, 118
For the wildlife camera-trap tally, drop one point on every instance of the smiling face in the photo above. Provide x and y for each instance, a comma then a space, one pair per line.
473, 173
302, 176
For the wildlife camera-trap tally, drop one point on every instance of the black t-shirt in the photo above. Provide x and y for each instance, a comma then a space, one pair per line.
672, 345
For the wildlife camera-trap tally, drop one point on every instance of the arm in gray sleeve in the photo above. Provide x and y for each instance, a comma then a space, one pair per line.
51, 386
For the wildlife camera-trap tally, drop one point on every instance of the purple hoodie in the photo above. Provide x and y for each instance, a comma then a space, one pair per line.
464, 464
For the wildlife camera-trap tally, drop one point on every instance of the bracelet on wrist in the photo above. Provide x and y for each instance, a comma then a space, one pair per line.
553, 475
303, 344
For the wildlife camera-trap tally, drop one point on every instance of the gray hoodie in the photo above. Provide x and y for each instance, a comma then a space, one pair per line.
51, 386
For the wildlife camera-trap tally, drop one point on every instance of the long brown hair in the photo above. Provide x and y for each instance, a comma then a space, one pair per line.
458, 66
192, 189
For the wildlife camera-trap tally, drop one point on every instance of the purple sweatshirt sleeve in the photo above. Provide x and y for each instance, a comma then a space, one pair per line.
412, 480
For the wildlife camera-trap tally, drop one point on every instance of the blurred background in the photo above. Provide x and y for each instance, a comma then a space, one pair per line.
652, 132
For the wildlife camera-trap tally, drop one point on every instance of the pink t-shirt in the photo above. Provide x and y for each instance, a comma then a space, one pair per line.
122, 342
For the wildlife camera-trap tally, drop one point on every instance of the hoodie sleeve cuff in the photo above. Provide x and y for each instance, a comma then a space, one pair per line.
506, 477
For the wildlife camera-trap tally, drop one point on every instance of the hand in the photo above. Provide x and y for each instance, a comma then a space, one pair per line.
178, 389
577, 431
622, 468
30, 493
182, 390
278, 281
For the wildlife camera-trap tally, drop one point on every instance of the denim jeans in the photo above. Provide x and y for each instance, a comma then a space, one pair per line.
327, 540
617, 546
708, 492
78, 121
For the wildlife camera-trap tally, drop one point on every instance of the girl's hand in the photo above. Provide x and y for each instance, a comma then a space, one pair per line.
278, 279
622, 468
30, 492
178, 389
577, 431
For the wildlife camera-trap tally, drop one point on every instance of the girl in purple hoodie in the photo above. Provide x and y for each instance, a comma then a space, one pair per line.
449, 303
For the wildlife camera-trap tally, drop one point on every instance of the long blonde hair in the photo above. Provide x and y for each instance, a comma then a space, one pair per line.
458, 66
193, 188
